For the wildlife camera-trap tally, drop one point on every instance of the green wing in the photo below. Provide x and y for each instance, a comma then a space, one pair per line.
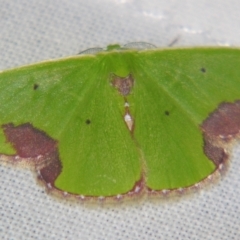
76, 104
177, 89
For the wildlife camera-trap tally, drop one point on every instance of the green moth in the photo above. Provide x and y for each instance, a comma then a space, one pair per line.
124, 121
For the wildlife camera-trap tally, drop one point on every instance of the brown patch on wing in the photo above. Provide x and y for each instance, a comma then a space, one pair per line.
35, 147
219, 129
29, 142
123, 85
50, 172
224, 123
216, 153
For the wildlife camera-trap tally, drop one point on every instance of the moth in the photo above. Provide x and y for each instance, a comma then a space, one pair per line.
124, 121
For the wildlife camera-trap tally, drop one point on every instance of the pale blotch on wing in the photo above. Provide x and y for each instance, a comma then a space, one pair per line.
137, 189
180, 190
119, 196
126, 104
210, 177
129, 121
165, 191
82, 197
101, 198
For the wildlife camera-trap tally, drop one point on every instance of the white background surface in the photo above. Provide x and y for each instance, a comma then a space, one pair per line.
31, 31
